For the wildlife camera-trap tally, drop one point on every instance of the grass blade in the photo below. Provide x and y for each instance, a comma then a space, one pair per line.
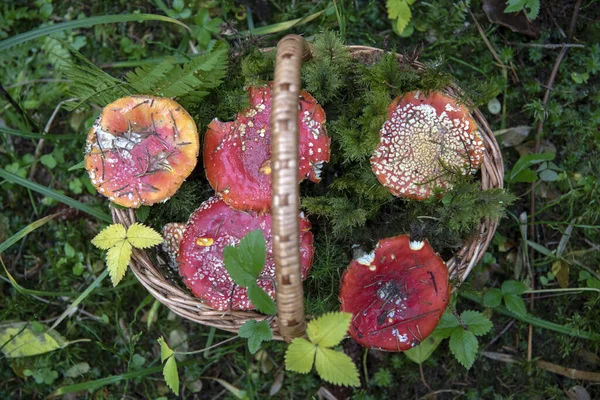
25, 231
284, 26
31, 135
83, 23
9, 176
99, 383
26, 291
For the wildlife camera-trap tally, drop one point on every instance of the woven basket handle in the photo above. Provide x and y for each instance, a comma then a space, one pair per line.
285, 206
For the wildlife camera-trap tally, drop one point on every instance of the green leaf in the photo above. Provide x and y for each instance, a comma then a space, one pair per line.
531, 7
21, 340
492, 298
399, 10
79, 165
47, 30
143, 237
141, 213
117, 260
165, 351
171, 375
261, 300
110, 236
25, 231
245, 262
329, 329
336, 367
256, 333
477, 323
463, 345
514, 287
515, 304
548, 175
447, 325
284, 26
525, 176
300, 356
527, 161
48, 160
77, 370
419, 354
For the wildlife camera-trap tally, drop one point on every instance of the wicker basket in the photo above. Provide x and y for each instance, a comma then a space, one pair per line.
290, 321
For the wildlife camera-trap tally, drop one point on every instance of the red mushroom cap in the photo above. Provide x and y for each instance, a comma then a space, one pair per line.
237, 155
426, 140
210, 229
396, 295
141, 149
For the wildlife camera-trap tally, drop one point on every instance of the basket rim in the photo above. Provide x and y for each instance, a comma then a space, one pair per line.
459, 266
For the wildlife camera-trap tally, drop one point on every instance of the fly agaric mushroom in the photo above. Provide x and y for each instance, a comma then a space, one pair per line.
210, 229
173, 233
237, 155
424, 141
140, 150
396, 295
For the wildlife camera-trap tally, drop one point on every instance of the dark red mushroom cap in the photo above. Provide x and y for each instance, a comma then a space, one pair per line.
425, 141
396, 295
141, 149
237, 155
210, 229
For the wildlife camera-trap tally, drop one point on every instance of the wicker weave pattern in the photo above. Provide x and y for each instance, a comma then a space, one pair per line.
285, 209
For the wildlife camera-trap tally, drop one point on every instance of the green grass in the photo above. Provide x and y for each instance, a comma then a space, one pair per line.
47, 222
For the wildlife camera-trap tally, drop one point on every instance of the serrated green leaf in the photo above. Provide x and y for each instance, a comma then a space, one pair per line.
117, 260
141, 213
171, 375
513, 287
447, 325
110, 236
492, 298
477, 323
514, 5
515, 304
300, 356
143, 237
165, 351
399, 10
21, 340
329, 329
256, 333
336, 367
419, 354
261, 300
464, 345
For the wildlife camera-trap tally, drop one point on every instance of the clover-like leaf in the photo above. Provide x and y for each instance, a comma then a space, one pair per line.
515, 304
110, 236
492, 298
143, 237
171, 375
329, 329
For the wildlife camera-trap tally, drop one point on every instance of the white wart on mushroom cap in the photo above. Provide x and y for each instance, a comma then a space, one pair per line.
425, 141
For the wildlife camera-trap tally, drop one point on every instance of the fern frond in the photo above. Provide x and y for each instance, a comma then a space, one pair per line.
90, 83
145, 79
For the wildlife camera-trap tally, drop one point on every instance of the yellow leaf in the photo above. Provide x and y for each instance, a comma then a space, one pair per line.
20, 340
560, 270
336, 367
143, 237
110, 236
117, 259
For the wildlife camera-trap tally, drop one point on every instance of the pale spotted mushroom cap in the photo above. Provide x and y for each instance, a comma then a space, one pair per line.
210, 229
425, 141
141, 149
172, 234
237, 154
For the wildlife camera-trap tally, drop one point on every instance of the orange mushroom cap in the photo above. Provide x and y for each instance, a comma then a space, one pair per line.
237, 155
396, 295
210, 229
141, 149
426, 139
